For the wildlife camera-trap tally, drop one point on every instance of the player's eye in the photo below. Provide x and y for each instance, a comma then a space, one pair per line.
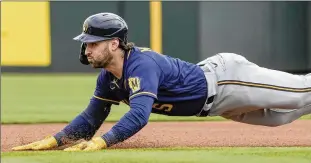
93, 44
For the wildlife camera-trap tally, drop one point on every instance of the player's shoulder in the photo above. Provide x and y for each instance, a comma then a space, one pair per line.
141, 56
142, 53
139, 59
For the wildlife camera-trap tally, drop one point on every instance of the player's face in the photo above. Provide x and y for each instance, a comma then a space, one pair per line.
98, 54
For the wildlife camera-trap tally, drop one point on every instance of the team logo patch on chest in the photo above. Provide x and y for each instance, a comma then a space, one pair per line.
134, 84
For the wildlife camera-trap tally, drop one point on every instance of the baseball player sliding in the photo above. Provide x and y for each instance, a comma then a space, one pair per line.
225, 84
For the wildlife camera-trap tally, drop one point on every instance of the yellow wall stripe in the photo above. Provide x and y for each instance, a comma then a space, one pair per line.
267, 86
156, 26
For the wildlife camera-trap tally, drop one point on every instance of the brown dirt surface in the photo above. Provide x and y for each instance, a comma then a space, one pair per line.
179, 134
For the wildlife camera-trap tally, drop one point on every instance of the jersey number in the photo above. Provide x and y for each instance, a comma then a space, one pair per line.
165, 107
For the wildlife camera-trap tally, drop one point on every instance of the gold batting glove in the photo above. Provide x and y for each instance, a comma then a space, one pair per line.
47, 143
77, 147
94, 144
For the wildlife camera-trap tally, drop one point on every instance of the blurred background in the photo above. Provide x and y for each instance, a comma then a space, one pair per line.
37, 37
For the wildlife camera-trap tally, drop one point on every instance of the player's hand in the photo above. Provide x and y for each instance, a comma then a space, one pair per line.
94, 144
47, 143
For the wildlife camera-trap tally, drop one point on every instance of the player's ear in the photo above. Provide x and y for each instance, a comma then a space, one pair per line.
114, 43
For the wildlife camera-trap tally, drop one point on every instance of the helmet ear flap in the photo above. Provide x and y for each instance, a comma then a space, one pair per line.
82, 56
125, 38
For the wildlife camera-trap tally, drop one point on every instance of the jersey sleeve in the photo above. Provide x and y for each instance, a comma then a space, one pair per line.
144, 78
103, 91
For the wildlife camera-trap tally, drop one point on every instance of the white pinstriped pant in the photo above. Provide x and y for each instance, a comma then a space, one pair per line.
247, 93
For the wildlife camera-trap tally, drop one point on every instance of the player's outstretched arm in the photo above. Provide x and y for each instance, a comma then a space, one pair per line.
144, 76
132, 122
84, 126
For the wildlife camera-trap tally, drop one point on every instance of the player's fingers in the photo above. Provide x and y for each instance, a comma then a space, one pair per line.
91, 147
72, 149
40, 147
78, 147
21, 148
47, 143
96, 143
24, 147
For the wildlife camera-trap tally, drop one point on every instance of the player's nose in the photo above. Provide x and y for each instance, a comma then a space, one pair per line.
87, 52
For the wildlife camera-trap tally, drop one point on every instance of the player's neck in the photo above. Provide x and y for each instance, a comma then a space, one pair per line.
116, 66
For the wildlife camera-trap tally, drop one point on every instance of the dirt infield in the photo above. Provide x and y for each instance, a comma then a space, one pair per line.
180, 134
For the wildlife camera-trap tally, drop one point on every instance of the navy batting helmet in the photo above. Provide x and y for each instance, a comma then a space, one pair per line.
103, 26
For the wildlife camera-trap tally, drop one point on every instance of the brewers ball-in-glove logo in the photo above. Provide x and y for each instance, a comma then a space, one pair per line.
85, 26
134, 84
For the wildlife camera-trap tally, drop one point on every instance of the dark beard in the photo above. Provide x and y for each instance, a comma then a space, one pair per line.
104, 63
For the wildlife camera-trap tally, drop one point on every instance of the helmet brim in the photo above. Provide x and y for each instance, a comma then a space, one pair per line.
86, 38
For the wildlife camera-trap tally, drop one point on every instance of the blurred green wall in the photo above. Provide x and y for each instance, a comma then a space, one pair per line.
272, 34
179, 31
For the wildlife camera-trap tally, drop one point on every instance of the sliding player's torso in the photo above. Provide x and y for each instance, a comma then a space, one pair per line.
178, 87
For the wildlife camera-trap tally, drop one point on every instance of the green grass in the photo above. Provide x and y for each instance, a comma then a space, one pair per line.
181, 155
57, 98
32, 98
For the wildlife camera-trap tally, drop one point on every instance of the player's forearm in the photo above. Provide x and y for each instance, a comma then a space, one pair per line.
127, 127
131, 122
79, 128
85, 125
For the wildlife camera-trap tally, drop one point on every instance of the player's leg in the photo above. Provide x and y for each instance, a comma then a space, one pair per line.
244, 86
270, 117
